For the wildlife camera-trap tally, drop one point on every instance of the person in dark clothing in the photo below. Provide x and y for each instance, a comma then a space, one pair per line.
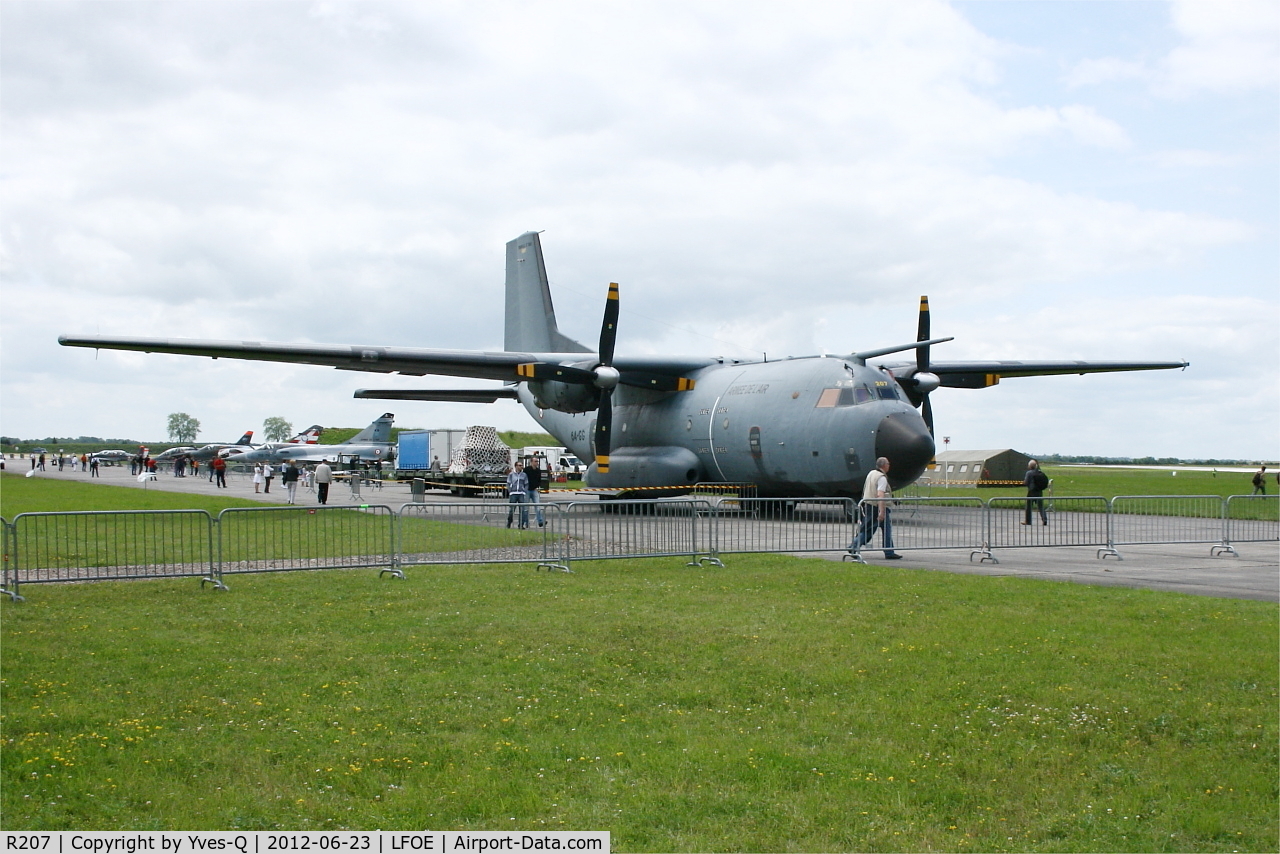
534, 475
1036, 483
290, 480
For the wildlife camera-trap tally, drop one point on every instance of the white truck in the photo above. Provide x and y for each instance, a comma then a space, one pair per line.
558, 460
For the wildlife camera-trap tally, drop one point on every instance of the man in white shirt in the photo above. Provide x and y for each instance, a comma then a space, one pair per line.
876, 495
324, 477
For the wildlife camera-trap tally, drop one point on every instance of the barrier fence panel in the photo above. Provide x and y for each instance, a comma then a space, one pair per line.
475, 532
932, 523
1070, 522
1149, 519
111, 544
781, 525
8, 580
597, 530
1253, 518
277, 539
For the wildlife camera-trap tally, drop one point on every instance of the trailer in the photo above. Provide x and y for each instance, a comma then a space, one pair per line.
418, 450
465, 462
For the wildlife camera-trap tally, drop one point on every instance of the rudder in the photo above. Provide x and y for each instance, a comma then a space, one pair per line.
530, 317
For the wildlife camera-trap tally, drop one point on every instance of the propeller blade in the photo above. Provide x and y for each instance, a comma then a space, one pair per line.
922, 334
604, 424
609, 331
658, 382
926, 412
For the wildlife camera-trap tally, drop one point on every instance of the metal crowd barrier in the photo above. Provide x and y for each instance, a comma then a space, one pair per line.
787, 525
475, 533
930, 523
1153, 519
8, 572
1251, 519
658, 527
110, 545
281, 539
93, 546
1070, 522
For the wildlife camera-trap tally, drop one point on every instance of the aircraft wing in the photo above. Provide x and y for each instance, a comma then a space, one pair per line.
983, 374
386, 360
448, 395
412, 361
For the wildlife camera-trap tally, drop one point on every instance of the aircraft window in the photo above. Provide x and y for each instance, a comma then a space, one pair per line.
862, 394
886, 392
836, 397
829, 398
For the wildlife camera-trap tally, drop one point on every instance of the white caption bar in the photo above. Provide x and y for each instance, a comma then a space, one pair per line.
314, 842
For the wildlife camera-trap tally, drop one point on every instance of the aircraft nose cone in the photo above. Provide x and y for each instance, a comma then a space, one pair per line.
904, 440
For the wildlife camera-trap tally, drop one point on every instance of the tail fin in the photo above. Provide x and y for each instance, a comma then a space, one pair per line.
378, 431
310, 436
246, 439
531, 318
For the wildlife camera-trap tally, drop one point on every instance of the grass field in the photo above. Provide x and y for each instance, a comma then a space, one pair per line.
784, 704
1109, 482
781, 704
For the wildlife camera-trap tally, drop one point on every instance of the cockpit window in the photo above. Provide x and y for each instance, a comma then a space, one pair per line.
829, 398
886, 391
843, 396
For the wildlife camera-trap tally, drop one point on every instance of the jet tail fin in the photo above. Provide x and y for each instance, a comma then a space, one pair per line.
378, 431
531, 318
246, 439
310, 436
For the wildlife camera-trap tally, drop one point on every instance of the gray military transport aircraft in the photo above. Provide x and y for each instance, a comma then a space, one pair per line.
796, 427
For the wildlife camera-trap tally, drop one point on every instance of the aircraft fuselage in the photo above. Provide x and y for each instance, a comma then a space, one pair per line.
795, 428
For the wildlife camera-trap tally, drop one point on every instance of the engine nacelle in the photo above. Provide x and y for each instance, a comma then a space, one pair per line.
564, 397
658, 466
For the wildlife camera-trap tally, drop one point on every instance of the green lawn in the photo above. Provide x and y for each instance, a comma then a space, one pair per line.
783, 704
779, 704
1109, 482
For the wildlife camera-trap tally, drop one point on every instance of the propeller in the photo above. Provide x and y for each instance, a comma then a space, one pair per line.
605, 377
606, 381
923, 381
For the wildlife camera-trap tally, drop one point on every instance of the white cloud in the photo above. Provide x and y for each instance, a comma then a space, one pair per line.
777, 179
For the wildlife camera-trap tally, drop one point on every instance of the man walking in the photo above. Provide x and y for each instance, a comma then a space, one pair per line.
290, 480
324, 477
1036, 483
876, 495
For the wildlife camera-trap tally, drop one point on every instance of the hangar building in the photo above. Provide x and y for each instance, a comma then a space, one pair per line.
1004, 467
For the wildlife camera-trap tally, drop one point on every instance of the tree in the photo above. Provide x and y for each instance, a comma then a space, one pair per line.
183, 428
276, 429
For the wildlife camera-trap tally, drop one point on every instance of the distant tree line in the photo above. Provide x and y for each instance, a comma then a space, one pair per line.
1138, 461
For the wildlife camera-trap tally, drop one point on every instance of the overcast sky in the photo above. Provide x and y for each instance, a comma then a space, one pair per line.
1078, 180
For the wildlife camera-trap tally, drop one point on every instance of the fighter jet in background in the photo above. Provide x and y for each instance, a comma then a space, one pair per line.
371, 445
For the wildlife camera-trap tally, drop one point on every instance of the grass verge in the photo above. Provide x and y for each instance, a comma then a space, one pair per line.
783, 704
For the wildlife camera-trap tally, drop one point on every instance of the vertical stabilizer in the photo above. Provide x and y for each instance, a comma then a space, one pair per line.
531, 318
378, 431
